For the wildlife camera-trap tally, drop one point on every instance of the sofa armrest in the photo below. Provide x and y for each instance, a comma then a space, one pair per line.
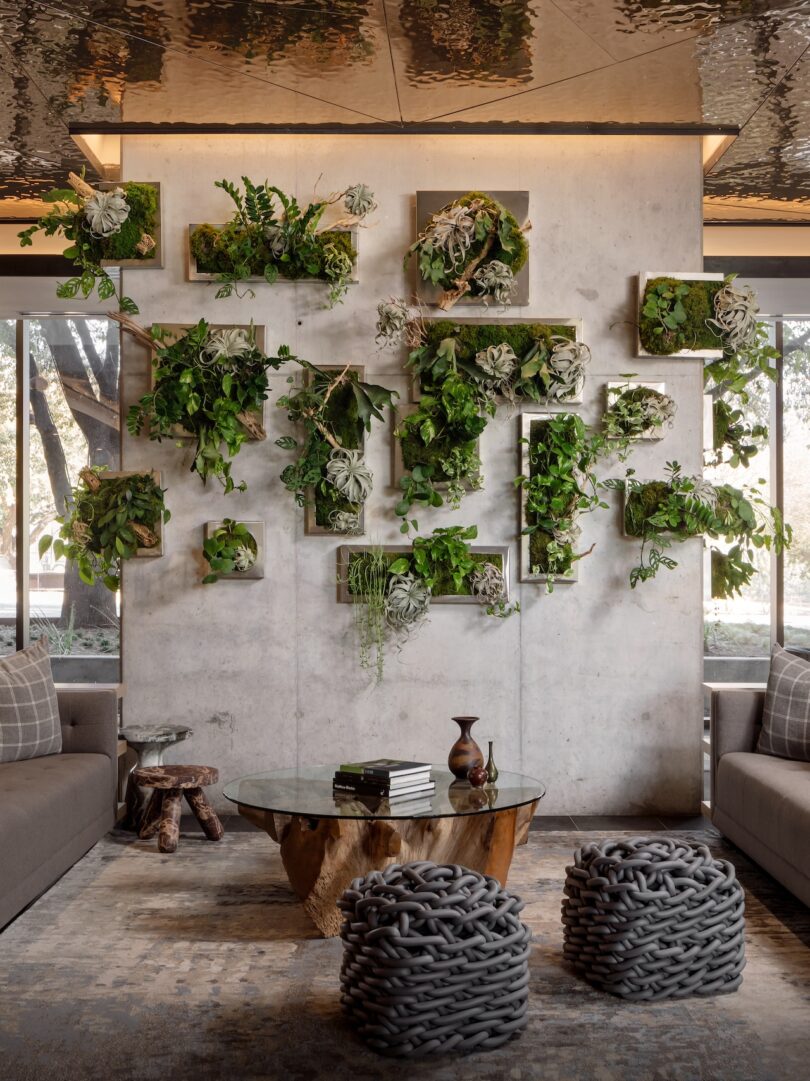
89, 720
736, 720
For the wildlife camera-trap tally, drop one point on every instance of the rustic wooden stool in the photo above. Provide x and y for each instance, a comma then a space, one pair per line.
162, 815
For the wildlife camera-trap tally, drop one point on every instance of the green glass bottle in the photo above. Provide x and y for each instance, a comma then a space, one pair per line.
491, 768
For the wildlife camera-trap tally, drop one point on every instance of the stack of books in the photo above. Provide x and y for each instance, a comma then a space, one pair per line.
387, 781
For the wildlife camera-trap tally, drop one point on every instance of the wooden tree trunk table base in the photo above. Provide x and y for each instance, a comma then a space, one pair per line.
322, 855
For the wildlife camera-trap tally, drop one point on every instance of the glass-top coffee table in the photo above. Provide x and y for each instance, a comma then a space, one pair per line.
327, 842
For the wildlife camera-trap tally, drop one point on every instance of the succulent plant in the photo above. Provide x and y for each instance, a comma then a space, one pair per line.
359, 200
348, 474
407, 601
498, 362
224, 344
393, 316
106, 212
495, 279
452, 230
567, 361
735, 315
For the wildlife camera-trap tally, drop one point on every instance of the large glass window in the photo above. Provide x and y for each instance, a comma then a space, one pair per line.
73, 367
8, 486
795, 477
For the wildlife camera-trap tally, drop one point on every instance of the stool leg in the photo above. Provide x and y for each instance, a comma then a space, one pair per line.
150, 821
169, 833
204, 813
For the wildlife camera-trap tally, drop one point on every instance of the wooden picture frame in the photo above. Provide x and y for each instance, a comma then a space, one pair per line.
311, 527
563, 321
526, 420
156, 262
649, 435
257, 532
428, 202
193, 274
158, 549
646, 276
345, 551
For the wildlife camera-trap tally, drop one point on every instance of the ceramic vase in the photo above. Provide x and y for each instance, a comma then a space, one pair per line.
492, 769
465, 752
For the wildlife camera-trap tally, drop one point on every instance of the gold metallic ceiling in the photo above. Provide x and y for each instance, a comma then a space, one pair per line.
398, 62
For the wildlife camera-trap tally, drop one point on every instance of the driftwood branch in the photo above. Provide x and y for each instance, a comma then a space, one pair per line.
135, 329
81, 187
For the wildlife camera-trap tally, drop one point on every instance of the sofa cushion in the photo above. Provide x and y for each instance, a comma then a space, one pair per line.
44, 804
770, 797
29, 714
786, 717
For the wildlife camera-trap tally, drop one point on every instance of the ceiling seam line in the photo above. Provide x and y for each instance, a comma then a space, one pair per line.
384, 6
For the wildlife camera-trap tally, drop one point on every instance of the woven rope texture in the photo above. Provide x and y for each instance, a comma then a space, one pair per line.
654, 919
435, 959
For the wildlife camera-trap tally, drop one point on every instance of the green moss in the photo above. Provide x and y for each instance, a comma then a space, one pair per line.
143, 218
415, 452
515, 259
694, 333
643, 502
444, 585
213, 250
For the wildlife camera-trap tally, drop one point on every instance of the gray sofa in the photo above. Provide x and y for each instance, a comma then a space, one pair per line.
53, 809
761, 803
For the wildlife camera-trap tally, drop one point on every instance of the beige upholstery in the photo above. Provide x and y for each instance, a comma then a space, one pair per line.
759, 802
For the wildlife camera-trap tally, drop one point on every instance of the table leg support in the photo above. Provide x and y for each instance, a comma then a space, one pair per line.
169, 832
150, 819
205, 814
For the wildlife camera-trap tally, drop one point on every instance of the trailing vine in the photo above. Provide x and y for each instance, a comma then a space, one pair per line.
107, 520
99, 226
271, 236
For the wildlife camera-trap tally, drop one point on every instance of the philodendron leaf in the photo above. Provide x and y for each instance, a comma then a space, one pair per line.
399, 566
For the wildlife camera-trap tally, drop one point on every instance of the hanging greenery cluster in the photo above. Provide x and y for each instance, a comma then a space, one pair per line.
663, 513
99, 226
271, 236
559, 487
391, 592
230, 549
334, 410
107, 520
210, 384
471, 246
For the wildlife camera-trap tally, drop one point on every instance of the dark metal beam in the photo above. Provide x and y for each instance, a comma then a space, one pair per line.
405, 128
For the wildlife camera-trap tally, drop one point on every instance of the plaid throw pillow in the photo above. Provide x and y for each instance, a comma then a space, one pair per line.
786, 717
29, 714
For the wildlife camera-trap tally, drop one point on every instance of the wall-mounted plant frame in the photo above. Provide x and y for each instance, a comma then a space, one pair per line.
496, 553
428, 202
615, 388
257, 570
156, 549
194, 274
177, 330
644, 278
155, 261
564, 326
398, 466
527, 419
311, 526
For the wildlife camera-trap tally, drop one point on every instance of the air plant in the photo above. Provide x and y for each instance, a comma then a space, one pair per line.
348, 473
106, 212
408, 601
489, 587
568, 361
498, 362
495, 279
359, 200
393, 316
735, 315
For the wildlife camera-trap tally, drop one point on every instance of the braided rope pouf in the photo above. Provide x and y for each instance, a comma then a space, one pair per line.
435, 959
655, 919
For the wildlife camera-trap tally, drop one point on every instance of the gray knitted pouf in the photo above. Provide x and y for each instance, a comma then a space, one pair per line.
653, 919
435, 959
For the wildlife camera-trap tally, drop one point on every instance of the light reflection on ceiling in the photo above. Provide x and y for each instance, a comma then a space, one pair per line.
398, 62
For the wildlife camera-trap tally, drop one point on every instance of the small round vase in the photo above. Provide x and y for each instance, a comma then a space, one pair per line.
465, 752
477, 776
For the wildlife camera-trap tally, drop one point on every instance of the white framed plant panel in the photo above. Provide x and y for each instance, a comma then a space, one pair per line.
644, 278
194, 274
614, 390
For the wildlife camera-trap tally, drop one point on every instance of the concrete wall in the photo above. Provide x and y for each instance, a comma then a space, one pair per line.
595, 689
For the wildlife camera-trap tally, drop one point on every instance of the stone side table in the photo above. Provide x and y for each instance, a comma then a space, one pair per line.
149, 742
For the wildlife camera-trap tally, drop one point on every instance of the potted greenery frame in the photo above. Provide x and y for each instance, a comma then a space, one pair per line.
530, 340
401, 465
443, 291
226, 535
615, 390
677, 317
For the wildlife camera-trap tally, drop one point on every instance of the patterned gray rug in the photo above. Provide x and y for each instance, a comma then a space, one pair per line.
201, 966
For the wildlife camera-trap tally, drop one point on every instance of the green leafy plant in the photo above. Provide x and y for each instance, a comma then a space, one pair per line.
107, 520
735, 439
271, 236
664, 308
559, 487
99, 226
473, 245
210, 384
334, 409
368, 581
635, 412
664, 512
230, 549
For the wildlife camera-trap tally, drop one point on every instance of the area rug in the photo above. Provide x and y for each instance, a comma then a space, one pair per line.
201, 965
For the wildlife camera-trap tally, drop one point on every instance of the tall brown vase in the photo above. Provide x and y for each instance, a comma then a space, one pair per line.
465, 752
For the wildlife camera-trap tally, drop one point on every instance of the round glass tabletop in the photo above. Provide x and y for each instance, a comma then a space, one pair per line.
308, 793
